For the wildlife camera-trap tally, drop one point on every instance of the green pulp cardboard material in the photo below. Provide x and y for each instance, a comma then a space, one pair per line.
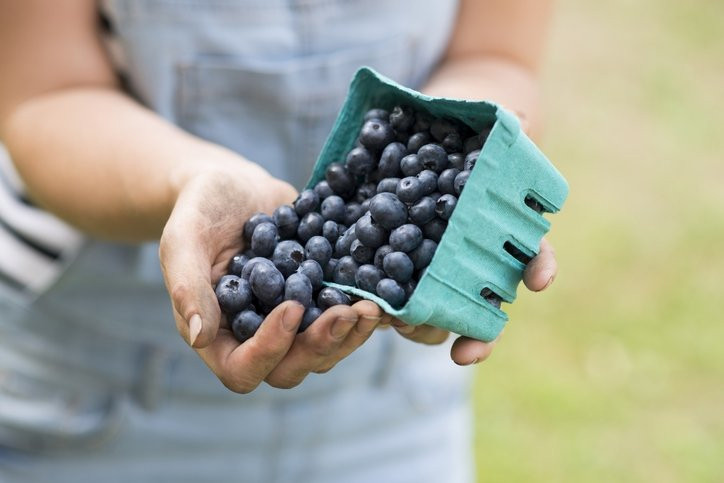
470, 259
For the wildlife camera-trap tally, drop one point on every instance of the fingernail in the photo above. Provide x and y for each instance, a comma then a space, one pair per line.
290, 318
367, 323
549, 282
195, 326
342, 326
474, 361
404, 329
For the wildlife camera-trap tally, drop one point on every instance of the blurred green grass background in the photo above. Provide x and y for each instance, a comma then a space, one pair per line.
617, 372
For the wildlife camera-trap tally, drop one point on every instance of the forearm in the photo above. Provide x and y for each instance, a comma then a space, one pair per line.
496, 79
107, 165
495, 54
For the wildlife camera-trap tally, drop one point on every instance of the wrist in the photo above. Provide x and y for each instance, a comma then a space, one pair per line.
209, 161
497, 79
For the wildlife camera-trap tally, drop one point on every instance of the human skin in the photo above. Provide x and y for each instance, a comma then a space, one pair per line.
95, 157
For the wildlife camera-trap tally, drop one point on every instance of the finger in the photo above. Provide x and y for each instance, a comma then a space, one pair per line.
370, 317
187, 270
241, 368
284, 194
424, 334
541, 271
466, 351
314, 347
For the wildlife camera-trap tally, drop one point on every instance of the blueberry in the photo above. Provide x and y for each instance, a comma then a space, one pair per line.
298, 287
361, 253
409, 189
388, 211
472, 143
333, 208
440, 128
445, 205
433, 156
313, 271
330, 296
418, 140
402, 118
402, 137
318, 249
352, 212
460, 181
367, 278
410, 165
422, 211
245, 324
370, 232
456, 160
365, 191
287, 256
330, 268
423, 121
233, 294
434, 229
376, 113
387, 185
310, 315
470, 159
340, 180
422, 255
310, 225
534, 205
306, 202
323, 189
267, 283
391, 291
265, 307
330, 231
452, 143
344, 242
251, 224
420, 274
483, 135
409, 288
428, 181
236, 264
376, 134
405, 238
264, 239
366, 205
287, 221
246, 271
345, 271
389, 164
398, 266
446, 181
380, 255
491, 297
360, 161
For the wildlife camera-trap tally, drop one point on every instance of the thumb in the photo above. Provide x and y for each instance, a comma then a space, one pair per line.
187, 273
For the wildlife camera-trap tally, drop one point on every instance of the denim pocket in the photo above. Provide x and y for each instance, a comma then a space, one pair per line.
51, 396
277, 113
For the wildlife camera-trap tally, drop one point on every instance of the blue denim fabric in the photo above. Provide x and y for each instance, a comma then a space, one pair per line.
111, 392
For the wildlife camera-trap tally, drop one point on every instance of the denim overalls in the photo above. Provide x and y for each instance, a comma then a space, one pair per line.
95, 383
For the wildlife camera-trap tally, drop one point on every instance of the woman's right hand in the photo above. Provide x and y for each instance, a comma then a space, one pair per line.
199, 238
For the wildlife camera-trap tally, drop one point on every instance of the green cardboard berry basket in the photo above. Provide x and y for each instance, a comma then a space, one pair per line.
491, 215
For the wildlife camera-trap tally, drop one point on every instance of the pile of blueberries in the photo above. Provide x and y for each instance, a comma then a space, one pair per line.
374, 222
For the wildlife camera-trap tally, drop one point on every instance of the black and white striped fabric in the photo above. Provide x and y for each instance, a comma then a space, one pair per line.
35, 246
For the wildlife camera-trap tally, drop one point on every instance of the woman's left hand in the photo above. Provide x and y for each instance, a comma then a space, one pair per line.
538, 275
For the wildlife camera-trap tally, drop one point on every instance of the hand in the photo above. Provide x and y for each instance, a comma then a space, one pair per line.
539, 274
200, 237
